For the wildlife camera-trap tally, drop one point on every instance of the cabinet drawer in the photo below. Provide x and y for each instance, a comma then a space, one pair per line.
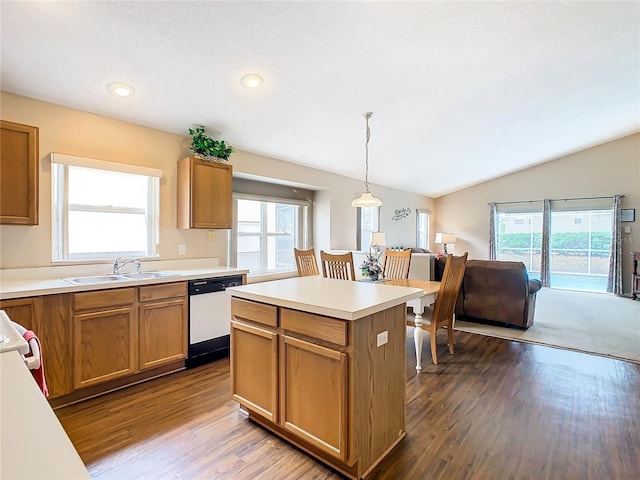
315, 326
254, 311
104, 298
166, 290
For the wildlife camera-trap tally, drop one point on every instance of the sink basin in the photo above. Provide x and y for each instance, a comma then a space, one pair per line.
96, 279
145, 275
119, 278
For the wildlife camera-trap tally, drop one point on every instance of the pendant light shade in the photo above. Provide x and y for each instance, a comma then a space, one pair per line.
366, 199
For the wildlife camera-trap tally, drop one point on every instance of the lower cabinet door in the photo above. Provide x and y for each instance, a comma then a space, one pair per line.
313, 402
162, 333
104, 346
254, 369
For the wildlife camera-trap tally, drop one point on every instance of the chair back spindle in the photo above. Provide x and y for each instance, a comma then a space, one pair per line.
338, 266
396, 264
306, 262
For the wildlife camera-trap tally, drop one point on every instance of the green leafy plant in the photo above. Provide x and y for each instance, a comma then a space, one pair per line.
202, 144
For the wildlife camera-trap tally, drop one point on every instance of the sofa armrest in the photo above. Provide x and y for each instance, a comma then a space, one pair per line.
534, 286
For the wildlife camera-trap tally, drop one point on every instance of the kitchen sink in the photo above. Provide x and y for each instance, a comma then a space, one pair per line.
145, 275
96, 279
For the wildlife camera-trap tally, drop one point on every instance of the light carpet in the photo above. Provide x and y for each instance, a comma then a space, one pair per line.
597, 323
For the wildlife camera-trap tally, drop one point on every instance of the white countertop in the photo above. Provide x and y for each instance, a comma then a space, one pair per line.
49, 280
32, 441
334, 298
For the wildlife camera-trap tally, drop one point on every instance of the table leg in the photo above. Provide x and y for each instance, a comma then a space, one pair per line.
418, 335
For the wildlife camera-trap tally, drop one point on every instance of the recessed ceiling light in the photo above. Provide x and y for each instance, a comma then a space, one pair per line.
120, 89
251, 80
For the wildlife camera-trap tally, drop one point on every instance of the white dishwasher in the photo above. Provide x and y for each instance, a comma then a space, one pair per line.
209, 319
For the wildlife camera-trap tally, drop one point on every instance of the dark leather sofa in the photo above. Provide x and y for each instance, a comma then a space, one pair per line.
495, 291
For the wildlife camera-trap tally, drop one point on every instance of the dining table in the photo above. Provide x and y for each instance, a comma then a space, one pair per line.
430, 289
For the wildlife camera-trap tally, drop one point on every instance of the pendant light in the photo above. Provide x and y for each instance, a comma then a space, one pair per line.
366, 199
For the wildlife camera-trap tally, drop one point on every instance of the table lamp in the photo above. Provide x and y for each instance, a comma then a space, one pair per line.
378, 240
445, 238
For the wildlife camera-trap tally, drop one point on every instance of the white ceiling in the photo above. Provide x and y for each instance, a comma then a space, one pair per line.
461, 92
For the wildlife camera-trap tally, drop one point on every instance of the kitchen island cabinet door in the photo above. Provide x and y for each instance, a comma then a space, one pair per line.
162, 332
314, 379
104, 345
254, 369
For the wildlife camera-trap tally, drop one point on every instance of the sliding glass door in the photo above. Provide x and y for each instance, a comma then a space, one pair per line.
519, 239
580, 244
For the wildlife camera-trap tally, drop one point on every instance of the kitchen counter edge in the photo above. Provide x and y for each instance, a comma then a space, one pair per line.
346, 301
33, 288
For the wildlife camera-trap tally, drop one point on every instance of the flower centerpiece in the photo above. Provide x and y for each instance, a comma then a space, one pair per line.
371, 266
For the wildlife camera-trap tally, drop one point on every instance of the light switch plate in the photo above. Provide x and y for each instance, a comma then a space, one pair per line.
627, 229
383, 337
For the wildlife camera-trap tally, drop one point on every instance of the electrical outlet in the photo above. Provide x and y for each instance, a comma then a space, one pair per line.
383, 337
182, 250
212, 235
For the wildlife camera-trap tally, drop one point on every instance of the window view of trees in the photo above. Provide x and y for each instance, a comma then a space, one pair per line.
580, 243
520, 240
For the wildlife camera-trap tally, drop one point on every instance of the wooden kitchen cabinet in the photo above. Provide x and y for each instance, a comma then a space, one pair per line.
204, 194
18, 174
324, 384
56, 337
254, 380
97, 341
314, 379
50, 319
105, 336
162, 324
22, 311
298, 383
254, 356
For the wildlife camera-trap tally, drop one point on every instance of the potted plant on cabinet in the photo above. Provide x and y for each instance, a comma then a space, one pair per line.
206, 147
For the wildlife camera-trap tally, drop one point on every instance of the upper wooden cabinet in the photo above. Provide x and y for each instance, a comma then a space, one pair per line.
204, 194
18, 174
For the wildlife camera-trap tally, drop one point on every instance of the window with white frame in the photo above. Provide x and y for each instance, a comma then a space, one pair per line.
422, 228
266, 232
103, 209
519, 239
368, 222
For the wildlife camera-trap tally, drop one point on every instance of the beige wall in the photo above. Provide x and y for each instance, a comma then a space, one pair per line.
607, 169
74, 132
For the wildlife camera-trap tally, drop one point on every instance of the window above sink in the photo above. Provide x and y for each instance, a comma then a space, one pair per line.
103, 209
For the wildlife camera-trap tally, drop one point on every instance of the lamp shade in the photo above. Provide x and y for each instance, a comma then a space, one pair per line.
366, 200
379, 239
449, 238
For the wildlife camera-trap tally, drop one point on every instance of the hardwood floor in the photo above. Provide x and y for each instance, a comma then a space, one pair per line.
496, 409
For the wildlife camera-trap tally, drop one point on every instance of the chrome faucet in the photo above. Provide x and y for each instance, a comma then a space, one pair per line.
117, 265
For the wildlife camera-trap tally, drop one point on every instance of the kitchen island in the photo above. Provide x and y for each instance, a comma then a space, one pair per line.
321, 363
